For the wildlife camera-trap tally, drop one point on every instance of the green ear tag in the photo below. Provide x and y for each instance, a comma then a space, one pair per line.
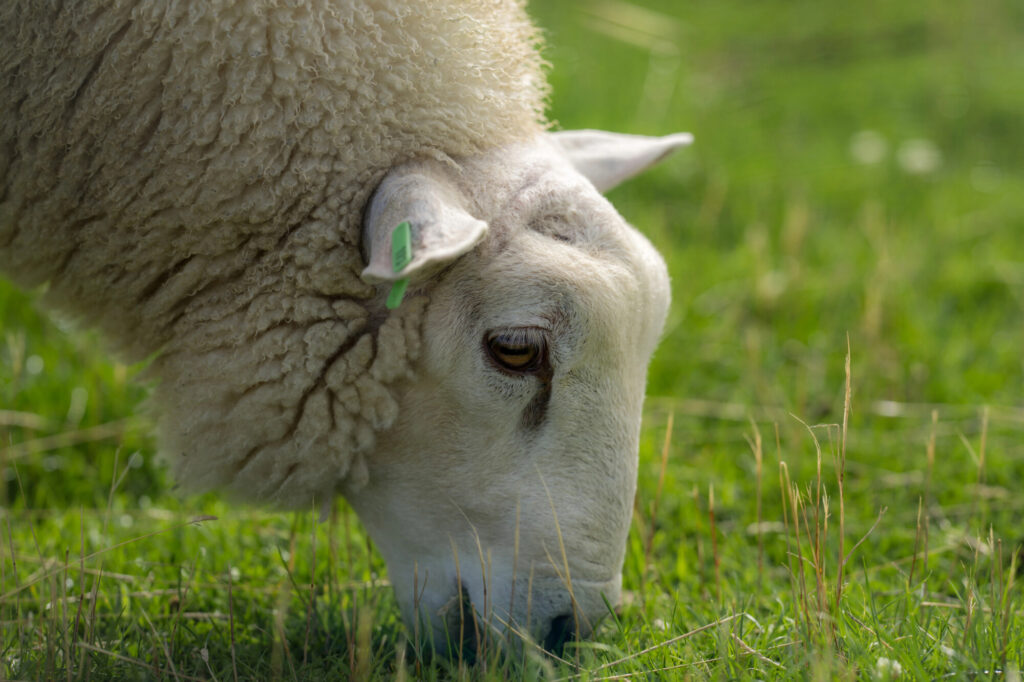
401, 255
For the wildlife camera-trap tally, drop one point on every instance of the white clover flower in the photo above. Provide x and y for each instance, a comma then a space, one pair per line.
34, 364
887, 669
919, 156
868, 147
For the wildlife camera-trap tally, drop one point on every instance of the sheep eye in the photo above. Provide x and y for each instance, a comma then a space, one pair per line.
520, 350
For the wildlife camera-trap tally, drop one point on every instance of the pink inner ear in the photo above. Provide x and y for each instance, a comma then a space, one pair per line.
608, 159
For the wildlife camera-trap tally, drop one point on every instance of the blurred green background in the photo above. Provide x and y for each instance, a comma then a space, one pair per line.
857, 169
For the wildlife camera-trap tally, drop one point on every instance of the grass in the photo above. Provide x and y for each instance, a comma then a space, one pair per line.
835, 423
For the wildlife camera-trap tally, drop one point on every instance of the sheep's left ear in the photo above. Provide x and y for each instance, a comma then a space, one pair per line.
439, 227
607, 159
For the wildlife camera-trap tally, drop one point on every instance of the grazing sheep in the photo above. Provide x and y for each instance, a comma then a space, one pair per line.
217, 184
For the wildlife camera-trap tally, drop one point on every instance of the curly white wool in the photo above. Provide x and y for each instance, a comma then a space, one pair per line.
190, 177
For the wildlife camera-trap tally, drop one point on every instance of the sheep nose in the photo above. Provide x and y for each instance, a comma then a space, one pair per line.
561, 630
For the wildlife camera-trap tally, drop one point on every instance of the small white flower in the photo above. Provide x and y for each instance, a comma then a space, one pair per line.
887, 669
919, 157
868, 147
34, 364
53, 463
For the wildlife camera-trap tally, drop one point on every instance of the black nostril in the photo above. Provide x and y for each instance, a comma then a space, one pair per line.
468, 628
561, 630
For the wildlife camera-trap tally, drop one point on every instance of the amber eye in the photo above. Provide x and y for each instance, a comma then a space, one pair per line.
520, 350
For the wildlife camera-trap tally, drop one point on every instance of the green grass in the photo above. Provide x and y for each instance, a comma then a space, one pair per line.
789, 232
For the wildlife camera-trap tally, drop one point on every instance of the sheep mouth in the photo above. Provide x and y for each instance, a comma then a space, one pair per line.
463, 629
563, 629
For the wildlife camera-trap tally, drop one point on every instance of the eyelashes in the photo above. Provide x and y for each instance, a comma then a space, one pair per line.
521, 350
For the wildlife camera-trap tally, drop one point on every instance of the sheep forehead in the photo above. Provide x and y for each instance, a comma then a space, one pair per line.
529, 174
588, 273
601, 292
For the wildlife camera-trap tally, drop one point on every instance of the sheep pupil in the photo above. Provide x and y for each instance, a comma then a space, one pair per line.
517, 355
512, 351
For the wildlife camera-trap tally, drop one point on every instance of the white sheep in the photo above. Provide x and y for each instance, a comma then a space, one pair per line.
216, 185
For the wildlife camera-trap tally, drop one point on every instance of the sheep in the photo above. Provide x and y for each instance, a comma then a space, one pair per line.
217, 186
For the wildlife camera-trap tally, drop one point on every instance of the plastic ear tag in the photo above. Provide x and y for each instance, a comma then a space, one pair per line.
401, 255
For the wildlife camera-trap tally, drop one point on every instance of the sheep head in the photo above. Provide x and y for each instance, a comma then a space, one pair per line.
501, 497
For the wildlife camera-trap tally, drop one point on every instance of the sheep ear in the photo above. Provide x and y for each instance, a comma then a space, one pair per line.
441, 228
607, 159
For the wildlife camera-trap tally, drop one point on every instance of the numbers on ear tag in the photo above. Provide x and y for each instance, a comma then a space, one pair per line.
401, 255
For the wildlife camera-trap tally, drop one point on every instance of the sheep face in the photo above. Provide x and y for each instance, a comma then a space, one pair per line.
501, 498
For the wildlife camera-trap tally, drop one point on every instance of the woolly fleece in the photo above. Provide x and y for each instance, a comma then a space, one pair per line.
190, 177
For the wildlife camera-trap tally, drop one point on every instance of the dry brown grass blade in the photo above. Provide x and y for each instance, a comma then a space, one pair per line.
750, 651
530, 646
515, 561
135, 661
667, 642
25, 420
841, 475
567, 578
649, 545
634, 25
929, 471
311, 605
163, 644
1007, 415
655, 673
917, 543
714, 540
69, 438
881, 513
231, 625
756, 446
64, 566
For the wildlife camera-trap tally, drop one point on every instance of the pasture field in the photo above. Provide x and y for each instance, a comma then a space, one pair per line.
832, 459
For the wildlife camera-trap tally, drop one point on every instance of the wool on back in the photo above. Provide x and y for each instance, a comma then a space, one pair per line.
190, 177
